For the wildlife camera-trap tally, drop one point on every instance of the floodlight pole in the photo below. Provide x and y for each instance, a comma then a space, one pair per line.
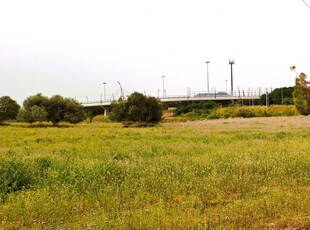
226, 85
163, 86
104, 83
208, 76
231, 63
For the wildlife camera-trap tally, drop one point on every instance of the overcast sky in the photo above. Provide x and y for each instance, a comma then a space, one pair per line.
71, 47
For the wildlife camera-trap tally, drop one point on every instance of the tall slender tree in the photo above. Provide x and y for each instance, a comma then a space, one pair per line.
301, 95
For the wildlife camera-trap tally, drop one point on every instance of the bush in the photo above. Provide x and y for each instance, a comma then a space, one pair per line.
278, 110
198, 106
101, 119
243, 112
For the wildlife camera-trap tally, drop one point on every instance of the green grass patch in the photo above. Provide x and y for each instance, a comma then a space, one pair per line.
192, 175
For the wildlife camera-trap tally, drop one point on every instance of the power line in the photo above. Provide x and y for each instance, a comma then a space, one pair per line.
306, 3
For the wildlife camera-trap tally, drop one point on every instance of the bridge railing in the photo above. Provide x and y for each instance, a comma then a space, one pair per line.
204, 94
239, 93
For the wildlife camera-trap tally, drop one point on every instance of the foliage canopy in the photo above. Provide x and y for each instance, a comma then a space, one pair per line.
55, 109
8, 109
137, 108
279, 96
301, 95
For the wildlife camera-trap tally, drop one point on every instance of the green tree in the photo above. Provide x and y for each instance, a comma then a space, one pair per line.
74, 112
34, 109
64, 109
262, 99
137, 108
8, 109
38, 113
154, 110
301, 95
24, 116
277, 95
54, 109
91, 112
38, 100
119, 111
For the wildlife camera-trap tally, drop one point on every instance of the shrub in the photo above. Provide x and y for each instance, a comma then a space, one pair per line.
14, 176
243, 112
201, 105
280, 110
101, 119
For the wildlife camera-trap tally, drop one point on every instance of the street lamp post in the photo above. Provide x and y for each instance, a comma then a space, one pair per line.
122, 97
226, 85
293, 68
163, 86
231, 63
104, 83
207, 76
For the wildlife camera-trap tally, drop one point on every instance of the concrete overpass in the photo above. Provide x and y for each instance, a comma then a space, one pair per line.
200, 96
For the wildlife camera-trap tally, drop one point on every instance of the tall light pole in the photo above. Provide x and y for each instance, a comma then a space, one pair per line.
231, 63
226, 85
207, 76
104, 95
306, 4
122, 97
293, 68
163, 86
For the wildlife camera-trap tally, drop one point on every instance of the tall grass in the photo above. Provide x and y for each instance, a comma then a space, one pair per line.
195, 175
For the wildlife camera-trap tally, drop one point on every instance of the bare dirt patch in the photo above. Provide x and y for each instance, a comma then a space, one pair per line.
261, 123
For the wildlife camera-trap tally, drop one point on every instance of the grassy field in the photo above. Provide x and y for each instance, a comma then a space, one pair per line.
218, 174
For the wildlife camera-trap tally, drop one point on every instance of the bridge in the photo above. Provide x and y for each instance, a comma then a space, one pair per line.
196, 96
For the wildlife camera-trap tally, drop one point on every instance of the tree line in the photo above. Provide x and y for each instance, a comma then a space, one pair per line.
137, 108
38, 108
